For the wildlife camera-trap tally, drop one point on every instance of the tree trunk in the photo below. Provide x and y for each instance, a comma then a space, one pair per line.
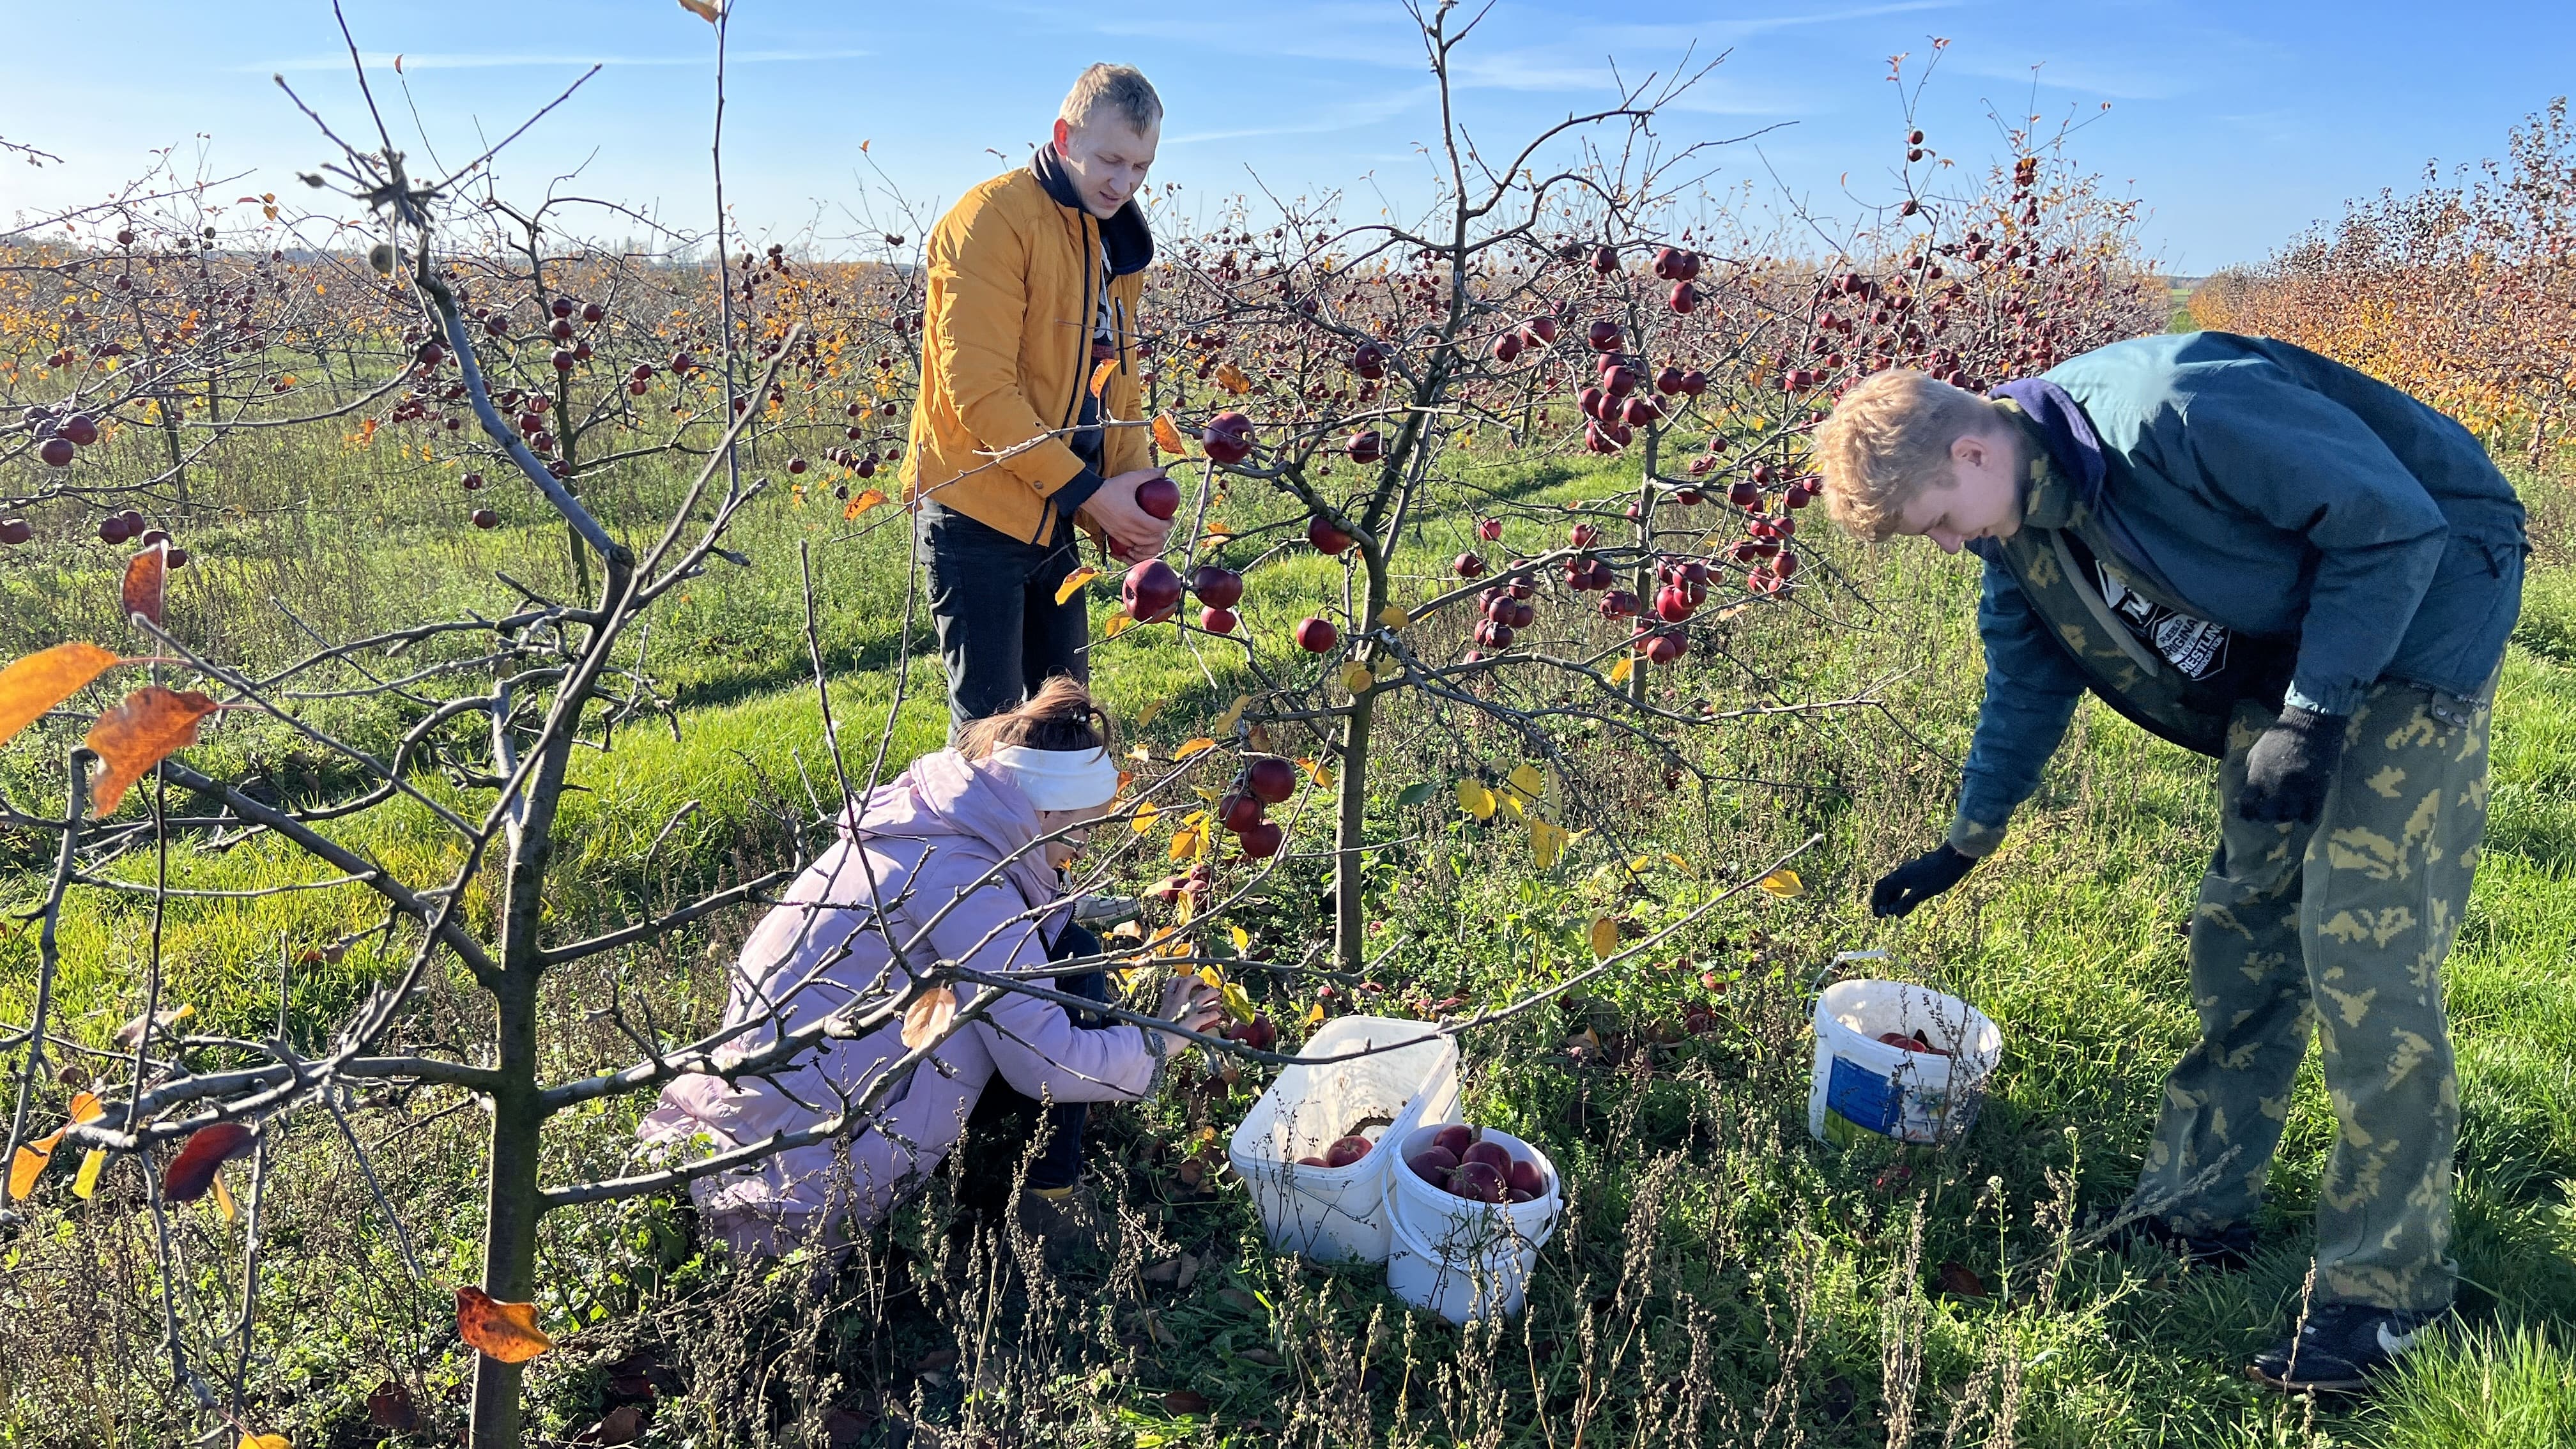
510, 1203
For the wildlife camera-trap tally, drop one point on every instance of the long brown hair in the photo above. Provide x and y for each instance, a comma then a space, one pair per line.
1061, 716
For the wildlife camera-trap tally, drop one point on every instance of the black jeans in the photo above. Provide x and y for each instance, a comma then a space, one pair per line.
992, 599
999, 1128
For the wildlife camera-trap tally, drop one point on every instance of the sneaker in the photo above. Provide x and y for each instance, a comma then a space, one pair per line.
2224, 1249
1099, 913
2338, 1347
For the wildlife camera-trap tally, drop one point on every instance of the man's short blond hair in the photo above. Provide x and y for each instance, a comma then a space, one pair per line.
1122, 88
1887, 440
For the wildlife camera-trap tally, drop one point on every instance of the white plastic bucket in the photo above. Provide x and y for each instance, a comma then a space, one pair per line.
1459, 1258
1862, 1084
1338, 1214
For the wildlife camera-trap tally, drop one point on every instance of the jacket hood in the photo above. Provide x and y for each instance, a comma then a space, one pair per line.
1125, 236
945, 798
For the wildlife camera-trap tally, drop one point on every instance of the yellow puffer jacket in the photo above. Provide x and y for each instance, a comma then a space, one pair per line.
1006, 356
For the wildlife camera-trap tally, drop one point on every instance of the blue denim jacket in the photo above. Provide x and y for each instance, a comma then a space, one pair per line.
2280, 494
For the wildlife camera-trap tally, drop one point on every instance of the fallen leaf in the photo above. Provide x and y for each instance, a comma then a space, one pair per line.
30, 686
1475, 799
192, 1171
1192, 747
710, 12
506, 1331
1960, 1280
147, 582
140, 733
862, 501
1231, 378
1784, 883
1185, 1401
1604, 938
929, 1017
1167, 436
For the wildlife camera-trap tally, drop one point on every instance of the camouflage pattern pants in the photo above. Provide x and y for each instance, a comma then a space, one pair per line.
2339, 926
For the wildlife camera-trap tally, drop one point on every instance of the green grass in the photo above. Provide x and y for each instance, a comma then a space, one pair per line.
1713, 1250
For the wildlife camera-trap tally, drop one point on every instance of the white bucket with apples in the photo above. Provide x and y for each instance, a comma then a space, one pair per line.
1337, 1213
1898, 1061
1462, 1256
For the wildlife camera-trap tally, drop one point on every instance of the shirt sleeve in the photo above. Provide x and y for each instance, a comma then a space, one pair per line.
2307, 464
2031, 692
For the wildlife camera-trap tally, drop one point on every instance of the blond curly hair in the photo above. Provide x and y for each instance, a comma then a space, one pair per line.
1887, 440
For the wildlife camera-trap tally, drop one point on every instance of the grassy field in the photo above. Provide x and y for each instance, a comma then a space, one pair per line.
1719, 1278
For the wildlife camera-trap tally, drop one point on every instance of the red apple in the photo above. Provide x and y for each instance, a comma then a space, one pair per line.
1524, 1176
1218, 621
80, 429
1685, 298
1455, 1139
1589, 402
1365, 447
1315, 636
1152, 591
1262, 841
1604, 260
1239, 813
1369, 360
1227, 438
1346, 1150
1540, 330
1312, 1162
1618, 382
15, 531
1326, 535
57, 451
484, 518
1603, 335
1668, 381
1432, 1165
1260, 1033
1160, 497
1218, 588
1478, 1182
1270, 778
1506, 347
1694, 383
1639, 411
1492, 1154
1467, 566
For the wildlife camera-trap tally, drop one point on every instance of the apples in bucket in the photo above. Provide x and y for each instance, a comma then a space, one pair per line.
1462, 1164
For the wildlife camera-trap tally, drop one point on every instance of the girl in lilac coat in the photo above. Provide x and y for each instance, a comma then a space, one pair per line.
959, 830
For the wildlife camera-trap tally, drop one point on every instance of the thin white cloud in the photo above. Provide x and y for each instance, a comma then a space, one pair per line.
469, 61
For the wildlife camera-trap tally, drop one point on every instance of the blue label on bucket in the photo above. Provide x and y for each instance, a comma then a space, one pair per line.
1861, 1096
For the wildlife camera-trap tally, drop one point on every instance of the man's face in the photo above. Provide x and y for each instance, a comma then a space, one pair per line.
1108, 159
1983, 501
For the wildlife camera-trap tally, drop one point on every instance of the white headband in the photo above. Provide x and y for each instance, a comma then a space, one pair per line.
1060, 779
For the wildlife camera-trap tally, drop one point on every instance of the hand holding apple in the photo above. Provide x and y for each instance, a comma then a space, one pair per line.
1133, 533
1191, 1004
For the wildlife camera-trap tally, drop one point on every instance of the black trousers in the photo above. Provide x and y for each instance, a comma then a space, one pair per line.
999, 1127
1002, 635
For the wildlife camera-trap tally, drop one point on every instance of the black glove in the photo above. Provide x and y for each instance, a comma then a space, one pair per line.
2290, 767
1919, 880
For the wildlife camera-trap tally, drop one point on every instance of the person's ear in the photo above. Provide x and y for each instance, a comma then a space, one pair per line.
1971, 450
1063, 135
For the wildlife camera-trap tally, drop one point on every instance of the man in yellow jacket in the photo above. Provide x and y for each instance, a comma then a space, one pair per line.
1033, 283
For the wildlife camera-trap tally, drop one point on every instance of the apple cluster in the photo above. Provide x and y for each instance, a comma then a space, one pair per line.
1266, 780
1462, 1164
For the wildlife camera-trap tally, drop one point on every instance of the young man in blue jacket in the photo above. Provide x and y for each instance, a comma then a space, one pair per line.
2270, 558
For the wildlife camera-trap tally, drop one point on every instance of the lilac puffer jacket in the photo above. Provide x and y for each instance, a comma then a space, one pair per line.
928, 837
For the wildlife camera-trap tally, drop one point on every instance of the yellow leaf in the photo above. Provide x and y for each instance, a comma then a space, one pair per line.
1184, 907
1139, 752
1393, 616
1242, 941
706, 10
1783, 882
1620, 671
862, 501
224, 1201
506, 1331
1233, 715
1528, 781
1231, 378
1074, 581
1475, 799
1117, 624
1356, 678
1638, 865
1145, 813
44, 679
1236, 1003
87, 1182
1314, 1015
1152, 711
1217, 532
1100, 374
1547, 842
929, 1017
1192, 747
1677, 862
1319, 772
1604, 938
1187, 839
1167, 436
266, 1441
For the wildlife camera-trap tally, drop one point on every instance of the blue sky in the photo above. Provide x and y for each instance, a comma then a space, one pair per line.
2237, 124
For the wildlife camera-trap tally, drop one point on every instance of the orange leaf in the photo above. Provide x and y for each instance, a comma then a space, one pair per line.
193, 1170
44, 679
1100, 374
709, 12
1074, 581
506, 1331
928, 1018
140, 733
147, 582
1231, 378
29, 1164
1167, 436
862, 502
